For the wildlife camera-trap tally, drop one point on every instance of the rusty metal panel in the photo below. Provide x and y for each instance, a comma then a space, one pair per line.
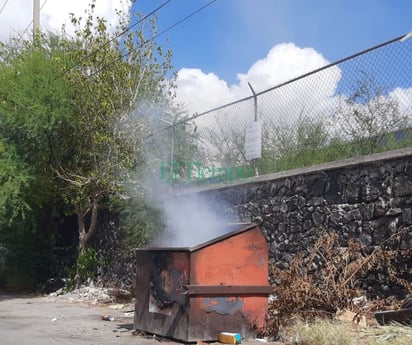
161, 305
228, 290
211, 315
195, 293
238, 260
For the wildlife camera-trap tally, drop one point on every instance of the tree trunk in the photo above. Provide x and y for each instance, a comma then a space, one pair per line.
84, 233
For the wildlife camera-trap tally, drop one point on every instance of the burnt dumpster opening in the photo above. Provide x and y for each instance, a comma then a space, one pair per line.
194, 293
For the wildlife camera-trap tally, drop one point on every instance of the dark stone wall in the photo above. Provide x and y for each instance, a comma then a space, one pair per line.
116, 264
366, 200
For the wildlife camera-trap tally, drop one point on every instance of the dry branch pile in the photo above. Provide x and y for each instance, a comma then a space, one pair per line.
333, 278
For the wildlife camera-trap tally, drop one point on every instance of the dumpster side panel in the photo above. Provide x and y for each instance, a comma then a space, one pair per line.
237, 261
211, 315
161, 306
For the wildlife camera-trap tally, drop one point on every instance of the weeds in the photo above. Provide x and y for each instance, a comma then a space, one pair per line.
85, 269
326, 332
319, 333
391, 334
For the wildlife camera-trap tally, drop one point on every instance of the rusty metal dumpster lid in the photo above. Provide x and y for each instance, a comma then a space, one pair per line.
232, 229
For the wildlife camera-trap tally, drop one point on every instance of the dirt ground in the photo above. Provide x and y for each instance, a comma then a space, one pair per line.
48, 320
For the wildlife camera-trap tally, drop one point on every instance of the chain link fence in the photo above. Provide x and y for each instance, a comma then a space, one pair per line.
359, 105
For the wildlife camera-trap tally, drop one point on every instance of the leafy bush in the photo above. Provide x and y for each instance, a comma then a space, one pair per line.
140, 222
87, 264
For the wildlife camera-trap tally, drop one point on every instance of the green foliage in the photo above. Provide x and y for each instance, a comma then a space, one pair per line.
367, 115
365, 122
225, 142
334, 149
67, 140
85, 269
300, 144
29, 242
14, 184
178, 143
110, 78
326, 332
33, 113
140, 222
87, 264
35, 106
71, 278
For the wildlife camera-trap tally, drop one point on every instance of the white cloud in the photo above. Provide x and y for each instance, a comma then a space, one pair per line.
283, 62
404, 98
201, 91
312, 96
17, 14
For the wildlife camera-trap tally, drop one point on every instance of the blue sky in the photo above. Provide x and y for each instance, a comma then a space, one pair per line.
229, 36
220, 50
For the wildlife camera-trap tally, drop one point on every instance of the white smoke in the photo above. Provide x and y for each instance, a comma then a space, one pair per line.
189, 219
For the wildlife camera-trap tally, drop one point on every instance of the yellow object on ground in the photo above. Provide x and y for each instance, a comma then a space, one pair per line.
229, 338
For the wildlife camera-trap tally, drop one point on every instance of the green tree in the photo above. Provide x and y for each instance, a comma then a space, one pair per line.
110, 77
34, 110
66, 110
14, 185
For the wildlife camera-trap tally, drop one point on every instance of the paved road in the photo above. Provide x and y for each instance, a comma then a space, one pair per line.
49, 320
